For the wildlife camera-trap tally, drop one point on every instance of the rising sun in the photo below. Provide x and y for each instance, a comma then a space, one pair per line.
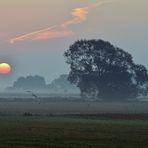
5, 68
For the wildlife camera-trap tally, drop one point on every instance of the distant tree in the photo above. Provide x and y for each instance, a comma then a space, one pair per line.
30, 82
61, 84
36, 83
104, 71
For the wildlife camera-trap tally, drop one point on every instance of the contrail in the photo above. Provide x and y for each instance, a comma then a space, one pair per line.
80, 15
62, 30
29, 35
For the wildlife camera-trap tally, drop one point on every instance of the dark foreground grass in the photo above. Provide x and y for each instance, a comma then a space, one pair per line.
66, 132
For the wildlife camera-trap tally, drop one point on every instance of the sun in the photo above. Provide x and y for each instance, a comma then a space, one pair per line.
5, 68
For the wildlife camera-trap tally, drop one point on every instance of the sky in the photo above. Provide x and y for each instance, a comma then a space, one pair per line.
35, 33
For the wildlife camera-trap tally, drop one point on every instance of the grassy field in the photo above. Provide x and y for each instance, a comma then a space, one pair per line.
71, 132
72, 107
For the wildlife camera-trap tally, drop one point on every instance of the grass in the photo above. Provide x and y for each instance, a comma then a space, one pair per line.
71, 132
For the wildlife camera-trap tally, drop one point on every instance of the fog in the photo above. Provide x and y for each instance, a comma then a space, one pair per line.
71, 107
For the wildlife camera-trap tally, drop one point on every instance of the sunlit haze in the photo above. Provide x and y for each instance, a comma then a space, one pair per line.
35, 33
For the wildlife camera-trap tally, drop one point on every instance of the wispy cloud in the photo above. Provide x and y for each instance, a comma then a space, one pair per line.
80, 15
62, 30
30, 35
52, 34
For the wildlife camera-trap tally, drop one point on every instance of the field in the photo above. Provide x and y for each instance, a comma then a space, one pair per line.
23, 126
67, 132
71, 107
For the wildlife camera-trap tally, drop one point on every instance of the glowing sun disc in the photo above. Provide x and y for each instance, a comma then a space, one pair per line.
5, 68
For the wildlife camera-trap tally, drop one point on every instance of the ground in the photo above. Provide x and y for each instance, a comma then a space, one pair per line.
29, 131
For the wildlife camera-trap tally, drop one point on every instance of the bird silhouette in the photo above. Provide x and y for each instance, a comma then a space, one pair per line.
33, 95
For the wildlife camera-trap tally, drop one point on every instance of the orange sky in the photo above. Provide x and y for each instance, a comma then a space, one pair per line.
79, 15
43, 29
19, 18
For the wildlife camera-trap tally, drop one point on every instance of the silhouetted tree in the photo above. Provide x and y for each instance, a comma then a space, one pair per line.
102, 70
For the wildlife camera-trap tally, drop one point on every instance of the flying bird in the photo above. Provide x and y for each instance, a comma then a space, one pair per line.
33, 95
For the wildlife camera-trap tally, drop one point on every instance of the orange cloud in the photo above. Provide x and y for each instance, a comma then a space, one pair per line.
62, 30
29, 35
52, 34
80, 16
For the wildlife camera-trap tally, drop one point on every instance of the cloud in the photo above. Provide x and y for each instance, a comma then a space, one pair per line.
80, 15
62, 30
52, 34
30, 35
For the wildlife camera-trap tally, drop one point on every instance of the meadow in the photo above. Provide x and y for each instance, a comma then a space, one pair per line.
71, 132
34, 125
70, 107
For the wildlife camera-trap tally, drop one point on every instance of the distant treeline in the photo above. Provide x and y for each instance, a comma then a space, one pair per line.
37, 83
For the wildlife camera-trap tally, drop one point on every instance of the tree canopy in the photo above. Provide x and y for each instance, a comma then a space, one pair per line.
105, 71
